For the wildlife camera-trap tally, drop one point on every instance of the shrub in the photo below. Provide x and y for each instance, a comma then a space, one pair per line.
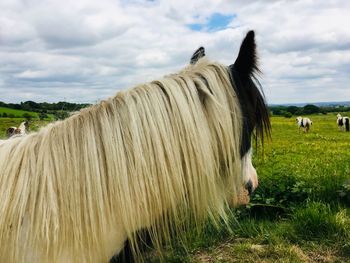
309, 109
282, 190
292, 109
27, 116
42, 115
61, 115
287, 114
276, 195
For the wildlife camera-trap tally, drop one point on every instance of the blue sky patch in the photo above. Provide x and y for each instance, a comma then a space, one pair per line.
196, 27
214, 23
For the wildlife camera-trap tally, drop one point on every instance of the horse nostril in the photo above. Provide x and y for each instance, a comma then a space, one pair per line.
249, 187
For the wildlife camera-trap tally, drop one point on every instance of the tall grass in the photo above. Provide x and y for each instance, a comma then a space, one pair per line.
299, 213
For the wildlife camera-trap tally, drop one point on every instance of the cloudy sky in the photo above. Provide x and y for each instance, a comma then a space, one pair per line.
87, 50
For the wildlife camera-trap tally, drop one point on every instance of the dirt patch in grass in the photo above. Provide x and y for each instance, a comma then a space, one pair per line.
232, 251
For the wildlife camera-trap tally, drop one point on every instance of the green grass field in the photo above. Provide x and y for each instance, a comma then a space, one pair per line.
17, 118
19, 113
299, 213
5, 123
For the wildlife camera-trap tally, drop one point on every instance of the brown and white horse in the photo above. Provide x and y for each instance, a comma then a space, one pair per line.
20, 131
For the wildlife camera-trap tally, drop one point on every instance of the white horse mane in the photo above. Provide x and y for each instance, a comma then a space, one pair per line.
143, 158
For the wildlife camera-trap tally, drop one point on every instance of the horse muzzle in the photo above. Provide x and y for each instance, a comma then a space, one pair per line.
247, 192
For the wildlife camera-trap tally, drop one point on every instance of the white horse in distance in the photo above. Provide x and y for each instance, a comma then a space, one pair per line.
303, 123
343, 122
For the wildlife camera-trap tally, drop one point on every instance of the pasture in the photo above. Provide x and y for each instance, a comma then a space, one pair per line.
17, 117
300, 211
5, 123
15, 113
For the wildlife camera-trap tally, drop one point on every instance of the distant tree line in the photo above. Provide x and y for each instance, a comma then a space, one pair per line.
289, 111
61, 109
44, 106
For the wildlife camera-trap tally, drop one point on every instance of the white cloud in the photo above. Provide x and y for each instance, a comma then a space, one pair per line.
53, 50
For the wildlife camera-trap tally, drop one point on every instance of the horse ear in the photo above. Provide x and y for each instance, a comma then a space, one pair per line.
246, 62
199, 53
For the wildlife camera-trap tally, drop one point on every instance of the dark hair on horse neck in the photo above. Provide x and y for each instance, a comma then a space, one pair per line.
251, 97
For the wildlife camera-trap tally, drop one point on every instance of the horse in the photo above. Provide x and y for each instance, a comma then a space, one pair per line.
20, 131
11, 131
14, 132
304, 123
343, 122
157, 156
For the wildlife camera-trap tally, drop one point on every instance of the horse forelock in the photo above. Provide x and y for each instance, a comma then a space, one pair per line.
143, 158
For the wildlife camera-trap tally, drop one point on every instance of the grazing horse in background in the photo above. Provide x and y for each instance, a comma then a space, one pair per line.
304, 123
158, 156
20, 131
14, 132
343, 122
11, 131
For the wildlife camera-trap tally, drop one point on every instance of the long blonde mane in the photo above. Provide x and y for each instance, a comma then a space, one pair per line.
147, 157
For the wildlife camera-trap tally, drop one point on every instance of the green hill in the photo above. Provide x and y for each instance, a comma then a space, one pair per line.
13, 113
